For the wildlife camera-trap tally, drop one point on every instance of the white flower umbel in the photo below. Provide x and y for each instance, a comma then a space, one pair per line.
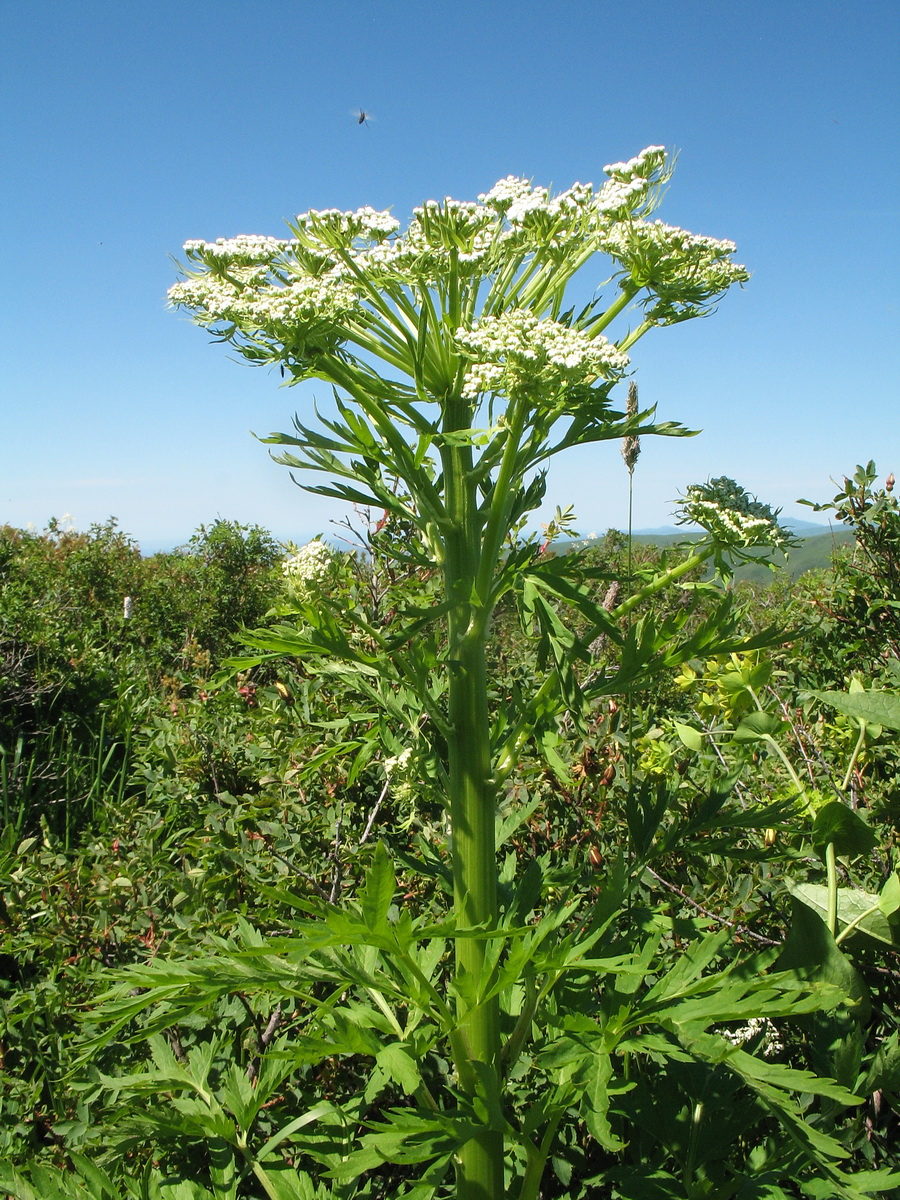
244, 250
347, 282
516, 350
736, 520
683, 272
308, 568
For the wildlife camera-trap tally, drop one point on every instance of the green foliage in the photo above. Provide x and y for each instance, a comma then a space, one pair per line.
859, 615
614, 1003
76, 674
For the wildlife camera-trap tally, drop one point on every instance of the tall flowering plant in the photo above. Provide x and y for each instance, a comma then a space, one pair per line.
458, 369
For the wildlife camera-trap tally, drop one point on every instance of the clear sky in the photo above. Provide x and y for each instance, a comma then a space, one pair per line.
129, 127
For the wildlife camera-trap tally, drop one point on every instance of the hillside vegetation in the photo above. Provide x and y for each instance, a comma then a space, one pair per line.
159, 803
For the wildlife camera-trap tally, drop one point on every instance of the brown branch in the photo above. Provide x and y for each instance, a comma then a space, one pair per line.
707, 913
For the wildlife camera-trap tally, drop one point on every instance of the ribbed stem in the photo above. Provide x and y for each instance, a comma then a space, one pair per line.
472, 809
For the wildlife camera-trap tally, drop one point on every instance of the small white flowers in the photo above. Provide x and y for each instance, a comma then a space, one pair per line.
682, 272
308, 568
397, 763
516, 349
736, 520
347, 281
334, 228
756, 1027
244, 249
402, 776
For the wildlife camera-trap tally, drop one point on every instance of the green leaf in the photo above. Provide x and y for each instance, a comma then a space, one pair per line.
884, 1072
378, 891
811, 952
878, 708
757, 726
840, 825
98, 1181
396, 1061
889, 897
644, 814
690, 737
855, 907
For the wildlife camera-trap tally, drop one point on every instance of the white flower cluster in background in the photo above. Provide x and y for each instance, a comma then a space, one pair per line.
730, 526
515, 349
401, 773
397, 763
771, 1043
307, 569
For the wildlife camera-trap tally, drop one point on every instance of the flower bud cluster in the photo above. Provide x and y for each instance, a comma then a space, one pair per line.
515, 349
439, 235
333, 227
630, 182
244, 250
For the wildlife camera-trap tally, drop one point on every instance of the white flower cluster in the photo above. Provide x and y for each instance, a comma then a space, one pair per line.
246, 249
397, 763
244, 297
730, 526
308, 568
770, 1045
629, 182
642, 166
683, 271
336, 228
515, 349
309, 292
402, 776
538, 221
659, 242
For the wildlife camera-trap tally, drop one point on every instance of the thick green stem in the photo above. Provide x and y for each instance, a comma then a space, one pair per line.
662, 581
472, 810
845, 783
831, 866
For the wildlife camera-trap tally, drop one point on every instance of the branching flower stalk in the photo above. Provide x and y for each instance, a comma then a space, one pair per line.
457, 369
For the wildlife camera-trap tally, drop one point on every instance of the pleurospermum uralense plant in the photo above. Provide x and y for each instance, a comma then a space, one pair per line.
458, 372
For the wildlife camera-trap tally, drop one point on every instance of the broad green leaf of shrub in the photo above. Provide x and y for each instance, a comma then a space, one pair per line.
877, 708
861, 909
840, 825
690, 737
812, 953
756, 727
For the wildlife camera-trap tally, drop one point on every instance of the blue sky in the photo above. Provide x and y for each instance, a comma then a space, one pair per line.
128, 128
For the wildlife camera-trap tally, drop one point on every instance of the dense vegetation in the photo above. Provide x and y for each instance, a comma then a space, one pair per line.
157, 800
